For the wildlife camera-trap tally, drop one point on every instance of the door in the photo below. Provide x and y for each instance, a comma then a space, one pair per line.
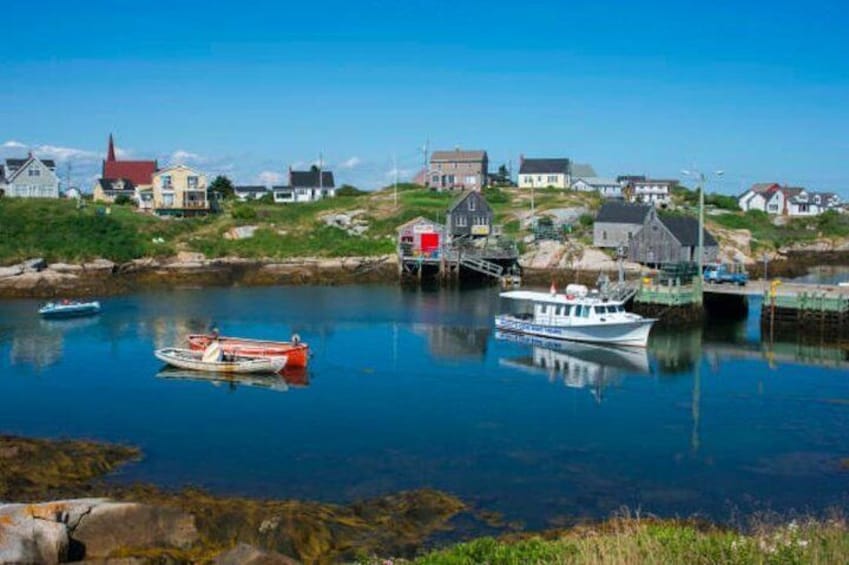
430, 242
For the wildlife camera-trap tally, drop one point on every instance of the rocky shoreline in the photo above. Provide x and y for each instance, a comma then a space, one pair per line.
54, 508
38, 279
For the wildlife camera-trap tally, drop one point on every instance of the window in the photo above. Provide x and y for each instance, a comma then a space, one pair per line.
552, 178
599, 310
471, 204
567, 309
449, 179
586, 312
604, 235
166, 182
192, 182
539, 178
168, 200
462, 221
578, 310
434, 179
34, 172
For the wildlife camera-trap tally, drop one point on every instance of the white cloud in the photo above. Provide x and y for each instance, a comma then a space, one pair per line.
269, 177
402, 173
66, 153
181, 156
350, 163
12, 144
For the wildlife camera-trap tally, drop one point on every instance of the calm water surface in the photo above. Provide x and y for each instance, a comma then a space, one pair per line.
412, 388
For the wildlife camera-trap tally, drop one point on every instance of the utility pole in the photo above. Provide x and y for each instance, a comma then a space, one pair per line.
320, 174
395, 172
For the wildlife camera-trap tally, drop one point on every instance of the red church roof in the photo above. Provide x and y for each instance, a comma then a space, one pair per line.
138, 172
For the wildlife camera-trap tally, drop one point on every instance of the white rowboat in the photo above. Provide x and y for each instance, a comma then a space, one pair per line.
194, 361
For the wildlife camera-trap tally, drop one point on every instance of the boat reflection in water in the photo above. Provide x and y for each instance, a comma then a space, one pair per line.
577, 365
296, 377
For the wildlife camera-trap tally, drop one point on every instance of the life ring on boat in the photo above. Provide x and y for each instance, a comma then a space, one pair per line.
296, 339
570, 297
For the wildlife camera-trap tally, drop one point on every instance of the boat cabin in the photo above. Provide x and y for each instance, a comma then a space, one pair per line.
552, 314
576, 306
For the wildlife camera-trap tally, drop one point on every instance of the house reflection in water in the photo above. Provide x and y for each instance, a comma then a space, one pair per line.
453, 342
41, 342
577, 365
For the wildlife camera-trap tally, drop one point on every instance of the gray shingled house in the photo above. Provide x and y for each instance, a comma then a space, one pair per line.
671, 239
469, 215
618, 222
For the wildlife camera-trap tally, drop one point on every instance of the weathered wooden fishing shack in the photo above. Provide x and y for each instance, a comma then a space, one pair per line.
469, 245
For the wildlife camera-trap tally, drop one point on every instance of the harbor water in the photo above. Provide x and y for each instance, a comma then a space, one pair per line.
413, 388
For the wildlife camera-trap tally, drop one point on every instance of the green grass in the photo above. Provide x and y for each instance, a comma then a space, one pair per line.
830, 225
652, 542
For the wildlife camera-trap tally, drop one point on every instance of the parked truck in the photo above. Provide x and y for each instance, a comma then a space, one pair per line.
719, 273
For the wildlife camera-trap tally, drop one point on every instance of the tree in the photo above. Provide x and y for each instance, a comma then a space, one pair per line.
124, 200
221, 185
503, 172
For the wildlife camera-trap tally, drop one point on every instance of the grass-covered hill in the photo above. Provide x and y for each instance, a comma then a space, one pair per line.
59, 230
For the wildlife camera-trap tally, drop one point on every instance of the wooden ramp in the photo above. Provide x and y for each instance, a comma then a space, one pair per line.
482, 266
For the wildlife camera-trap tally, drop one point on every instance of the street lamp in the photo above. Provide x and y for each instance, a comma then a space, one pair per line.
702, 183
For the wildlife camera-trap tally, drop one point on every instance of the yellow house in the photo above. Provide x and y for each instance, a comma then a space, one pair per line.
179, 191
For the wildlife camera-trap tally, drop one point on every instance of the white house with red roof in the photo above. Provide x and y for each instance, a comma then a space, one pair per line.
775, 199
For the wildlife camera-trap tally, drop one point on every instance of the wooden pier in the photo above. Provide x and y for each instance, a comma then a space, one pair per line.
815, 309
673, 300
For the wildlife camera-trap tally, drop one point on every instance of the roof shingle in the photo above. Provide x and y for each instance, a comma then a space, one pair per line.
623, 213
544, 166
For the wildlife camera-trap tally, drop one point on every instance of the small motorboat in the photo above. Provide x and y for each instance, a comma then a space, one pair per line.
69, 309
213, 360
296, 351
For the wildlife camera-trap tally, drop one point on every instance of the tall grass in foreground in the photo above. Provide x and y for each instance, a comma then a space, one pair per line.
654, 542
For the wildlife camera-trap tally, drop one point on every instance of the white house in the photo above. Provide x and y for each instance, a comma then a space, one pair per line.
650, 191
29, 178
253, 192
305, 186
542, 173
608, 188
775, 199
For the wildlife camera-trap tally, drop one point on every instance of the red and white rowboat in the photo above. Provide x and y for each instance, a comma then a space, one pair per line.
296, 352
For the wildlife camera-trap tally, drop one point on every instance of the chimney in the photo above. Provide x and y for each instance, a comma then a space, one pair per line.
521, 159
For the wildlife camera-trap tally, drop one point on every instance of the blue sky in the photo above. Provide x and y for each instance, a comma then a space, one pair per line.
759, 90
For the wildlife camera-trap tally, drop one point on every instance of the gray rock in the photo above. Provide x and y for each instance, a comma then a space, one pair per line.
25, 539
244, 554
12, 271
112, 525
34, 264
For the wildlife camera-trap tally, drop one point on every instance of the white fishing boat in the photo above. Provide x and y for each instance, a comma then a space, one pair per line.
576, 315
212, 360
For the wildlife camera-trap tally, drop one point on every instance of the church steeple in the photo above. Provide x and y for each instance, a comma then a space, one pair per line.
110, 155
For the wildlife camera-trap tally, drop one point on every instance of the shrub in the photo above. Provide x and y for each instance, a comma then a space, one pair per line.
124, 200
244, 212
